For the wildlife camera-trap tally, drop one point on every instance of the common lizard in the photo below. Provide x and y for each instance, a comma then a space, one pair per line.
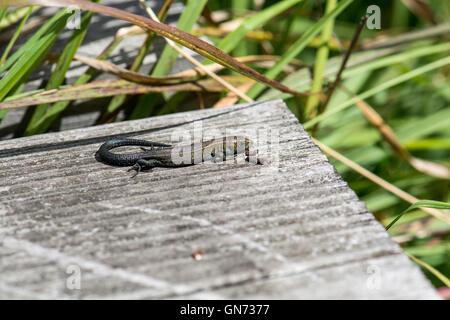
163, 155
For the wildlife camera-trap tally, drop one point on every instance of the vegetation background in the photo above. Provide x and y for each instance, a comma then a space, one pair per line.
398, 127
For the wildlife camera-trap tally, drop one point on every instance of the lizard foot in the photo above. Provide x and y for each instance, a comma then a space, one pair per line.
136, 167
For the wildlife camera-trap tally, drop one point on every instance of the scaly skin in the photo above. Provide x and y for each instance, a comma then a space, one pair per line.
163, 155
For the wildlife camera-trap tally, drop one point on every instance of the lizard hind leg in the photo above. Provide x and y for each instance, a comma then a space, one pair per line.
144, 164
136, 167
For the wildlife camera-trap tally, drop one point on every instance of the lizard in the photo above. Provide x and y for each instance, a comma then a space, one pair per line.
161, 155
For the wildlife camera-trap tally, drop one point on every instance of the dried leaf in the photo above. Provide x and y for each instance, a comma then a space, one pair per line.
131, 76
421, 9
107, 88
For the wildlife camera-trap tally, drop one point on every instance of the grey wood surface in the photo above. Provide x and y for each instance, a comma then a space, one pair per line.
290, 228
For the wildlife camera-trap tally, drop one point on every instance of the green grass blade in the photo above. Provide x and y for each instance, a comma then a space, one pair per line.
421, 204
22, 63
9, 18
435, 272
15, 36
408, 54
3, 12
300, 80
298, 46
232, 40
146, 105
320, 64
404, 77
429, 204
59, 74
428, 144
168, 58
143, 50
59, 107
239, 6
31, 43
117, 101
28, 61
187, 20
420, 127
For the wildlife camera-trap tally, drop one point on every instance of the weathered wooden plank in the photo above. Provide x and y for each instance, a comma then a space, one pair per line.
286, 229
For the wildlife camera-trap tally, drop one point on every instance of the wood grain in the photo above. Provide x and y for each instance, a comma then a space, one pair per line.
288, 229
